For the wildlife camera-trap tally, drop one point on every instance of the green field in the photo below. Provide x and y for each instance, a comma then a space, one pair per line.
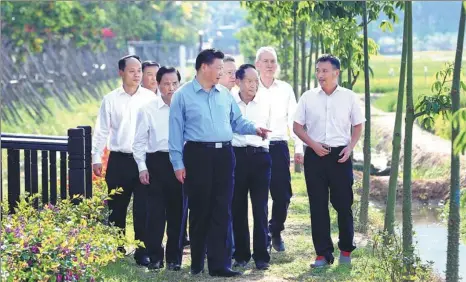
387, 83
386, 79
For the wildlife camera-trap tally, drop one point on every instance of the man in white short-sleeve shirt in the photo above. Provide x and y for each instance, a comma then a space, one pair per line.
283, 100
329, 112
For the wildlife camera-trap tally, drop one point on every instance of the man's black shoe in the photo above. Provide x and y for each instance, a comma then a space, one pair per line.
173, 266
155, 265
227, 272
122, 250
262, 265
142, 260
277, 243
197, 271
240, 263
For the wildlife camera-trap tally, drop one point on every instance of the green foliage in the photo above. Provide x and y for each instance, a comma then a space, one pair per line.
334, 22
392, 264
428, 107
33, 24
65, 242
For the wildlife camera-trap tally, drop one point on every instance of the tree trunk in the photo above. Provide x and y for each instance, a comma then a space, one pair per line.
350, 57
389, 224
454, 213
363, 215
407, 216
303, 59
309, 68
295, 50
322, 44
316, 56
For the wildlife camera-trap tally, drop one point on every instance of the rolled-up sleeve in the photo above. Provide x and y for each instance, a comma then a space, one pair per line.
141, 138
101, 131
300, 113
176, 131
239, 124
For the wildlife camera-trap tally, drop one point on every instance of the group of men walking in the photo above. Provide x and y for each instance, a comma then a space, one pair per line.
209, 143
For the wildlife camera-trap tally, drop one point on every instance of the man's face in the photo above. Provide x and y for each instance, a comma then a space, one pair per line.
214, 71
250, 83
228, 78
327, 74
169, 84
267, 65
149, 80
131, 75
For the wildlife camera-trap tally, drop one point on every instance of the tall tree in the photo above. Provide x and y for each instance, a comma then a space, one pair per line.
408, 142
454, 212
295, 49
389, 224
363, 215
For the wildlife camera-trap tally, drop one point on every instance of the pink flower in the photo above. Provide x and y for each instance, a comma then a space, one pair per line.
59, 278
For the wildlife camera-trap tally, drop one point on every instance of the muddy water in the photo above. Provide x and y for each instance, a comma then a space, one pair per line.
431, 236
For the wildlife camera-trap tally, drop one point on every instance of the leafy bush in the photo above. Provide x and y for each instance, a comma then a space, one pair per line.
393, 265
65, 242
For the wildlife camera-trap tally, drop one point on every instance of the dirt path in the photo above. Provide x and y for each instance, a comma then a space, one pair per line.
429, 151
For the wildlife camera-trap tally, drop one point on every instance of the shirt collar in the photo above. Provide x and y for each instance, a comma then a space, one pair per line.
319, 88
237, 98
122, 90
274, 83
197, 86
161, 103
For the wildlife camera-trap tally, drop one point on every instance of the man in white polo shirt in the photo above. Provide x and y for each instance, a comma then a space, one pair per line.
329, 112
165, 202
283, 102
252, 173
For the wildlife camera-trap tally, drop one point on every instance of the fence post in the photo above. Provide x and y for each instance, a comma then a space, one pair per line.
76, 163
13, 179
88, 158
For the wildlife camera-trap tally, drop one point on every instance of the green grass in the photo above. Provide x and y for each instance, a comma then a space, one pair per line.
291, 265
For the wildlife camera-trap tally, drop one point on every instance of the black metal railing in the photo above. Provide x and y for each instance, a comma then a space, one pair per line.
75, 165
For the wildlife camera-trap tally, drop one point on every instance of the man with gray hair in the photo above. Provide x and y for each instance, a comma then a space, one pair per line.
283, 103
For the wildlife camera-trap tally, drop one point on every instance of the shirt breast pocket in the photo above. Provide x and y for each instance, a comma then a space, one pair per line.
222, 115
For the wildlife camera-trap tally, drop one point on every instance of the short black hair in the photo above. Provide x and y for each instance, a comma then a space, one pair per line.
329, 58
242, 70
122, 61
208, 56
150, 64
228, 58
164, 70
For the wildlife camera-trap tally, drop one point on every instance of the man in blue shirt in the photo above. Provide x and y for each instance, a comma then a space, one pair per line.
204, 115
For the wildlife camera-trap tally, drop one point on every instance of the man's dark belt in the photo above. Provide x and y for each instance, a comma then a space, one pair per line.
127, 155
329, 148
157, 153
277, 142
252, 149
216, 145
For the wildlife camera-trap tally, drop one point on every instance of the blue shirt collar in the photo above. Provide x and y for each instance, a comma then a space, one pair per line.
197, 86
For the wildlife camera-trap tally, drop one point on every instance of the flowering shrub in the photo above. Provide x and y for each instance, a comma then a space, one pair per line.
64, 242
